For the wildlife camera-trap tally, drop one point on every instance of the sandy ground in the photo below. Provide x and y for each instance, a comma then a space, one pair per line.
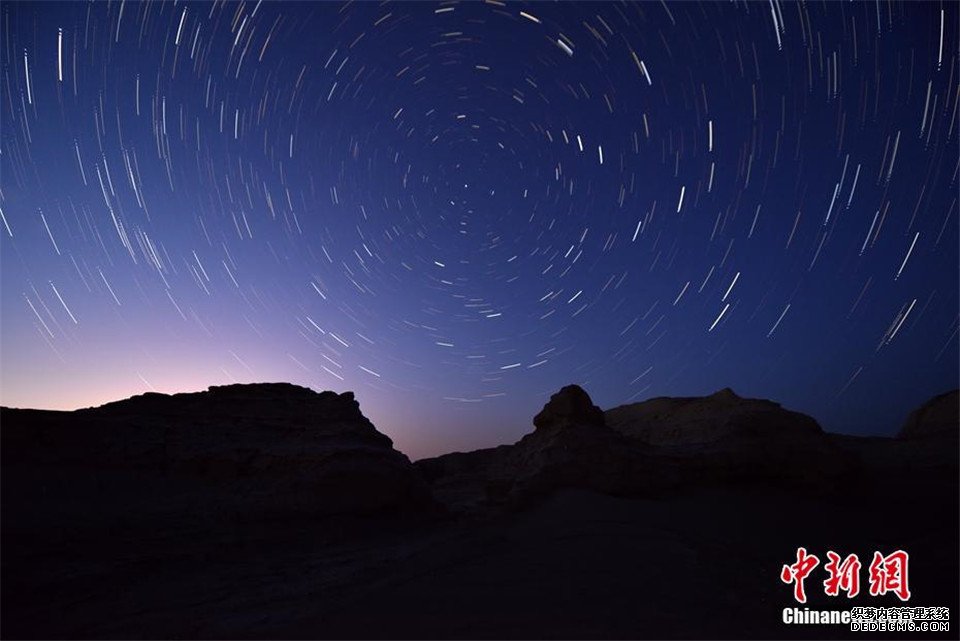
695, 564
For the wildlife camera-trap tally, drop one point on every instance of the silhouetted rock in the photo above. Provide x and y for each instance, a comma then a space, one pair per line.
571, 447
460, 480
237, 451
925, 448
571, 455
570, 406
937, 418
708, 419
641, 449
724, 436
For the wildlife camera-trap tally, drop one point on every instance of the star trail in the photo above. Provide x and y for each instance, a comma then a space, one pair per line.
454, 209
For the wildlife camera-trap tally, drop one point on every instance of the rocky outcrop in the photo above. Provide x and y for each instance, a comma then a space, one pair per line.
709, 419
726, 437
571, 447
569, 407
926, 446
240, 452
938, 418
641, 450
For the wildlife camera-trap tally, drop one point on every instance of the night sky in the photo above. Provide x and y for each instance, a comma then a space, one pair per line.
455, 209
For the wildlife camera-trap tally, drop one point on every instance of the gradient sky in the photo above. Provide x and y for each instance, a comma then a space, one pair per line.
455, 209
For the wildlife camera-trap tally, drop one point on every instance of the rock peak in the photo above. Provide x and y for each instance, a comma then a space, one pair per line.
938, 417
570, 406
726, 394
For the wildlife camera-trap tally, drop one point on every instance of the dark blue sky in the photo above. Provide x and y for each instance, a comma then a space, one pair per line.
455, 209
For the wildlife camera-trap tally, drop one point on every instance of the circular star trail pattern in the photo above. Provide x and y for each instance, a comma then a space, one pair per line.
454, 209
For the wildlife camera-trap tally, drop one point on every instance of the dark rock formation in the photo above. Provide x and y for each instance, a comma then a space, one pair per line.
708, 419
642, 449
570, 406
571, 447
111, 511
238, 451
726, 437
925, 448
937, 418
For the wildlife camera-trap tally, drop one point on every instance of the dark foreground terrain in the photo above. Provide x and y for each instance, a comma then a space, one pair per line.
270, 511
